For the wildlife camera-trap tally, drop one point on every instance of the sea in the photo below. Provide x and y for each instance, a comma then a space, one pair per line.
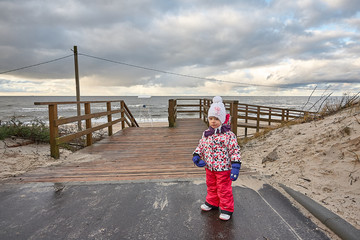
143, 108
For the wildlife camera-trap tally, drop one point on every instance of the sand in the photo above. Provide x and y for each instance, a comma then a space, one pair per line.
18, 156
319, 159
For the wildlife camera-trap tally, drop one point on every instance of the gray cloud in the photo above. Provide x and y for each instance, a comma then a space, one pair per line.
200, 38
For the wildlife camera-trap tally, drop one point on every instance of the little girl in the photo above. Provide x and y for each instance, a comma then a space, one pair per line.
219, 152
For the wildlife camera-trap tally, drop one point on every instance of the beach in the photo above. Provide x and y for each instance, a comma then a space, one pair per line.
319, 159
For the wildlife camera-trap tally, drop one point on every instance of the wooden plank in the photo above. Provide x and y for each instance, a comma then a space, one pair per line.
129, 114
188, 105
188, 111
73, 102
62, 121
133, 153
254, 125
70, 137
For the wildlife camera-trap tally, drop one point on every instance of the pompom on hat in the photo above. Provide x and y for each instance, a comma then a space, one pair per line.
217, 109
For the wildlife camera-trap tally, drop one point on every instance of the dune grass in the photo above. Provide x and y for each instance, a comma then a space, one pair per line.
328, 108
38, 131
35, 130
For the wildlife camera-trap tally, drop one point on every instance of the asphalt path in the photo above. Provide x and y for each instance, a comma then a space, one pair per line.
145, 210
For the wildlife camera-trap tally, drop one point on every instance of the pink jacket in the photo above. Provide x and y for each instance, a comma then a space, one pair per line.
219, 151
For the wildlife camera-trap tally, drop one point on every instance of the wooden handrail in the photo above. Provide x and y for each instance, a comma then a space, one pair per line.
55, 122
73, 102
63, 121
242, 115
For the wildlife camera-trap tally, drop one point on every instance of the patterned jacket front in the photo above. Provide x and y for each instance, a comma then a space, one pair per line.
219, 151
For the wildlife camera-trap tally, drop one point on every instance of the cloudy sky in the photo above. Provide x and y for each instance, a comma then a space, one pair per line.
180, 47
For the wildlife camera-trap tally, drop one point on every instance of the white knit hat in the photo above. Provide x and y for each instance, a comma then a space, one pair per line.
217, 109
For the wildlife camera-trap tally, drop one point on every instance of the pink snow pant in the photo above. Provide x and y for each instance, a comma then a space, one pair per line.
219, 190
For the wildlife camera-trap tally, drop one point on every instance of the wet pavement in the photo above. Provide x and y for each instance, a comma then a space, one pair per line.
145, 210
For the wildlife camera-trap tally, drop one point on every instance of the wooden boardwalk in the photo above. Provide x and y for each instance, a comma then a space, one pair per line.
130, 154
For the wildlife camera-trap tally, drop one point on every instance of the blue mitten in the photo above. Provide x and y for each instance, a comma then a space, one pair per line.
235, 171
198, 162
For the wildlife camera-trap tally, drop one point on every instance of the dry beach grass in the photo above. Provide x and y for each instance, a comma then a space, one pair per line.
319, 159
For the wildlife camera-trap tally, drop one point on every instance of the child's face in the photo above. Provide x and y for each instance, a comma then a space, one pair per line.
214, 122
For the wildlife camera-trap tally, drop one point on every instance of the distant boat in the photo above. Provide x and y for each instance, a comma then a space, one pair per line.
144, 96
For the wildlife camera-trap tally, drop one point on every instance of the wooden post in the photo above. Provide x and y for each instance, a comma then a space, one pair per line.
206, 111
172, 113
246, 118
109, 118
287, 115
54, 131
258, 119
269, 116
234, 116
283, 115
88, 125
200, 113
122, 107
77, 85
204, 108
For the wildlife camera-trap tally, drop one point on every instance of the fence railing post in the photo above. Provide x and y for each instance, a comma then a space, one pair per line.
234, 116
204, 106
54, 131
287, 115
258, 119
207, 104
88, 125
171, 112
122, 107
200, 108
270, 116
109, 118
246, 118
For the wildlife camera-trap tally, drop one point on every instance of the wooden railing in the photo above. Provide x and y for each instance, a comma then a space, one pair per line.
242, 115
260, 117
174, 104
55, 121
